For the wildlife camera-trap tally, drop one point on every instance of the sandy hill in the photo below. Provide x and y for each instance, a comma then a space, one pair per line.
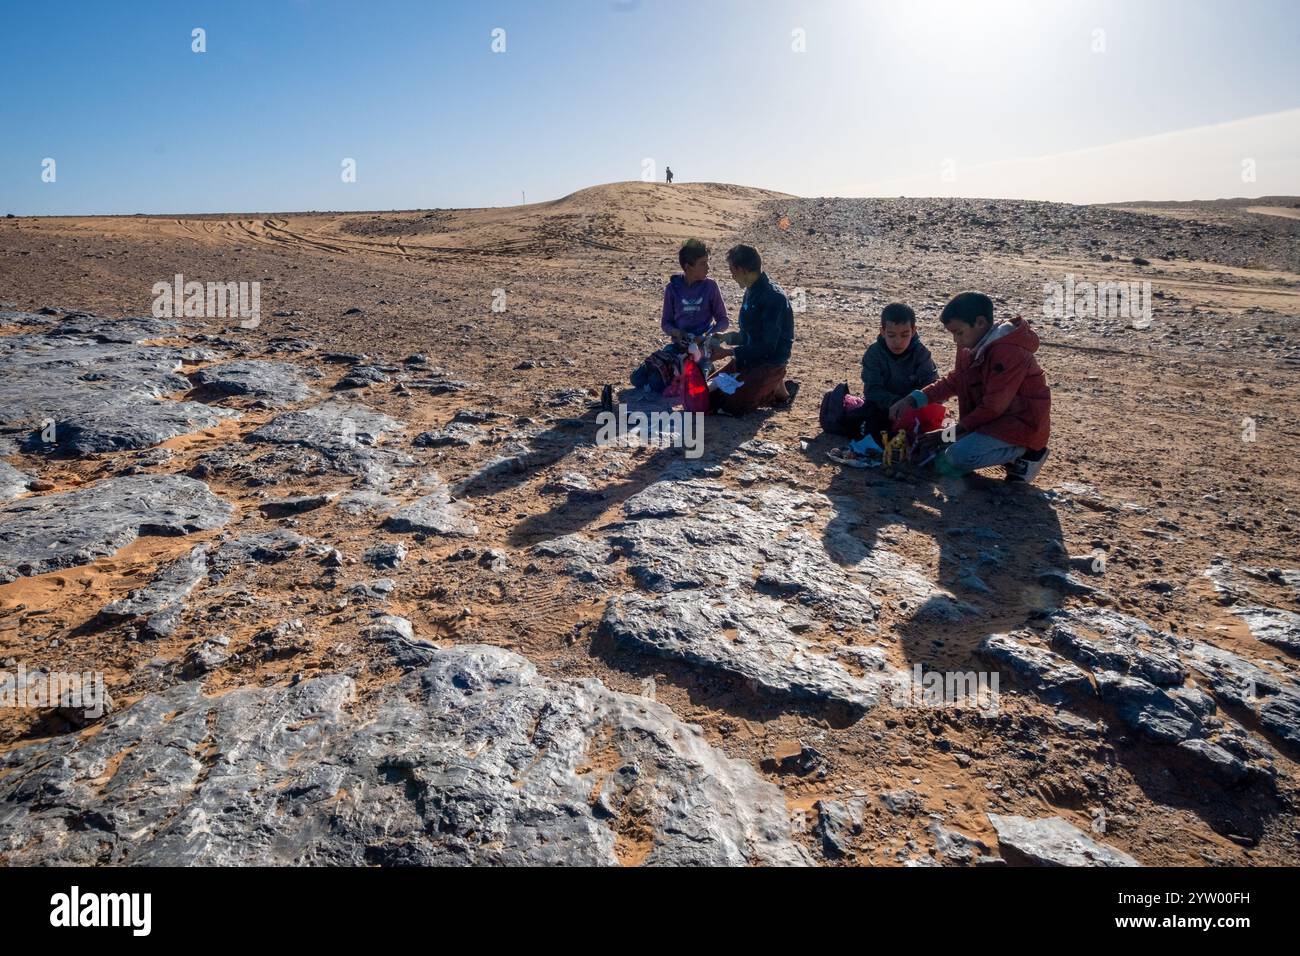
615, 217
1239, 211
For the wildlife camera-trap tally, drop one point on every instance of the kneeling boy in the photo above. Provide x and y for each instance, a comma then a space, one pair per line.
692, 304
764, 339
895, 365
1003, 402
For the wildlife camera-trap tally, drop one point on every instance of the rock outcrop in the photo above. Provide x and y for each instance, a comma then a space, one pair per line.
474, 758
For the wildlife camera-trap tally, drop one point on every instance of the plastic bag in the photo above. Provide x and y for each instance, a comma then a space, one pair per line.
695, 391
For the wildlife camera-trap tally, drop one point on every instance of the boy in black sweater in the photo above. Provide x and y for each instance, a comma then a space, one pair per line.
895, 365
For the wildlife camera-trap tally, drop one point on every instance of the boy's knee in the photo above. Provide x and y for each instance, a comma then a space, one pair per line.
974, 452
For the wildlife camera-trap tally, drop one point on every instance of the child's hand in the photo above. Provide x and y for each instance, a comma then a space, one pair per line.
897, 409
930, 441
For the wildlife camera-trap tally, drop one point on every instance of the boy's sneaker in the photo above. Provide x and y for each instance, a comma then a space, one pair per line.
1027, 466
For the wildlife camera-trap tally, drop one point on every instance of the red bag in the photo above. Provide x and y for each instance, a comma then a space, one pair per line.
930, 417
695, 391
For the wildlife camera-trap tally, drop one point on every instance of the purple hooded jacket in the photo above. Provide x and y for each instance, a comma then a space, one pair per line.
692, 308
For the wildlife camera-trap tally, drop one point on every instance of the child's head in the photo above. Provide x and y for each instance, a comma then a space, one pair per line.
745, 263
694, 259
897, 326
968, 317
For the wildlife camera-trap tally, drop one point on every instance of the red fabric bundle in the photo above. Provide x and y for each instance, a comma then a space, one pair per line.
695, 391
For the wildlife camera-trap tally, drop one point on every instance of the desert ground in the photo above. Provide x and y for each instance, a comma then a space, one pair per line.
365, 588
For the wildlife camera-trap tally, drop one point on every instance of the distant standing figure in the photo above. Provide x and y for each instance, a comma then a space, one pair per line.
668, 174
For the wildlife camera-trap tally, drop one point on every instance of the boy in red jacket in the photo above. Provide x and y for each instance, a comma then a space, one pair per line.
1003, 402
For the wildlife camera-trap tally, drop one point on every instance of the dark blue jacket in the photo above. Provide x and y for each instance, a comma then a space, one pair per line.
766, 325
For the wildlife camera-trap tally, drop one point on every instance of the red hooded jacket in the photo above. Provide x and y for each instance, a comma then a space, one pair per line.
1000, 390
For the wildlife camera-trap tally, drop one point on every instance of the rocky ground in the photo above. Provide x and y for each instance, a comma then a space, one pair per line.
365, 589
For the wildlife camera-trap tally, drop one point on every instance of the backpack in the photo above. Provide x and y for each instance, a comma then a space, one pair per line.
836, 405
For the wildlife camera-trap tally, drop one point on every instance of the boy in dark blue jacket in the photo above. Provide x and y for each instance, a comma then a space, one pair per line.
764, 339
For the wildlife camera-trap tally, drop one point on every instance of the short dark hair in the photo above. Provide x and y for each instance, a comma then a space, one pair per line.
745, 258
896, 313
691, 252
967, 307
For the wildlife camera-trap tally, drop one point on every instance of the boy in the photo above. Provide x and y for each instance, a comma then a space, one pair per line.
1003, 401
764, 339
895, 365
692, 303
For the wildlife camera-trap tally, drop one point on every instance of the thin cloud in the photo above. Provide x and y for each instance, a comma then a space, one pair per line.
1204, 162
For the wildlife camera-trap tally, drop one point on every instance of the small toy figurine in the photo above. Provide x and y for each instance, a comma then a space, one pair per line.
895, 455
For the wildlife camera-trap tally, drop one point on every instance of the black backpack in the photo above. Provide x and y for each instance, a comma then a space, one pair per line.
831, 416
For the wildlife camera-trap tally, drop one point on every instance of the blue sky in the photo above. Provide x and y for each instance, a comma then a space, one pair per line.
926, 97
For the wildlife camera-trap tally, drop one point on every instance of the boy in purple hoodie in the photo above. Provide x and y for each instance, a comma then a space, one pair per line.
692, 305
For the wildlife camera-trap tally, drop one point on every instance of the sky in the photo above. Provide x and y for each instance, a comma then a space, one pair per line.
1087, 101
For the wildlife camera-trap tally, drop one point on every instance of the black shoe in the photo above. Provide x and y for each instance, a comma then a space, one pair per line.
607, 398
